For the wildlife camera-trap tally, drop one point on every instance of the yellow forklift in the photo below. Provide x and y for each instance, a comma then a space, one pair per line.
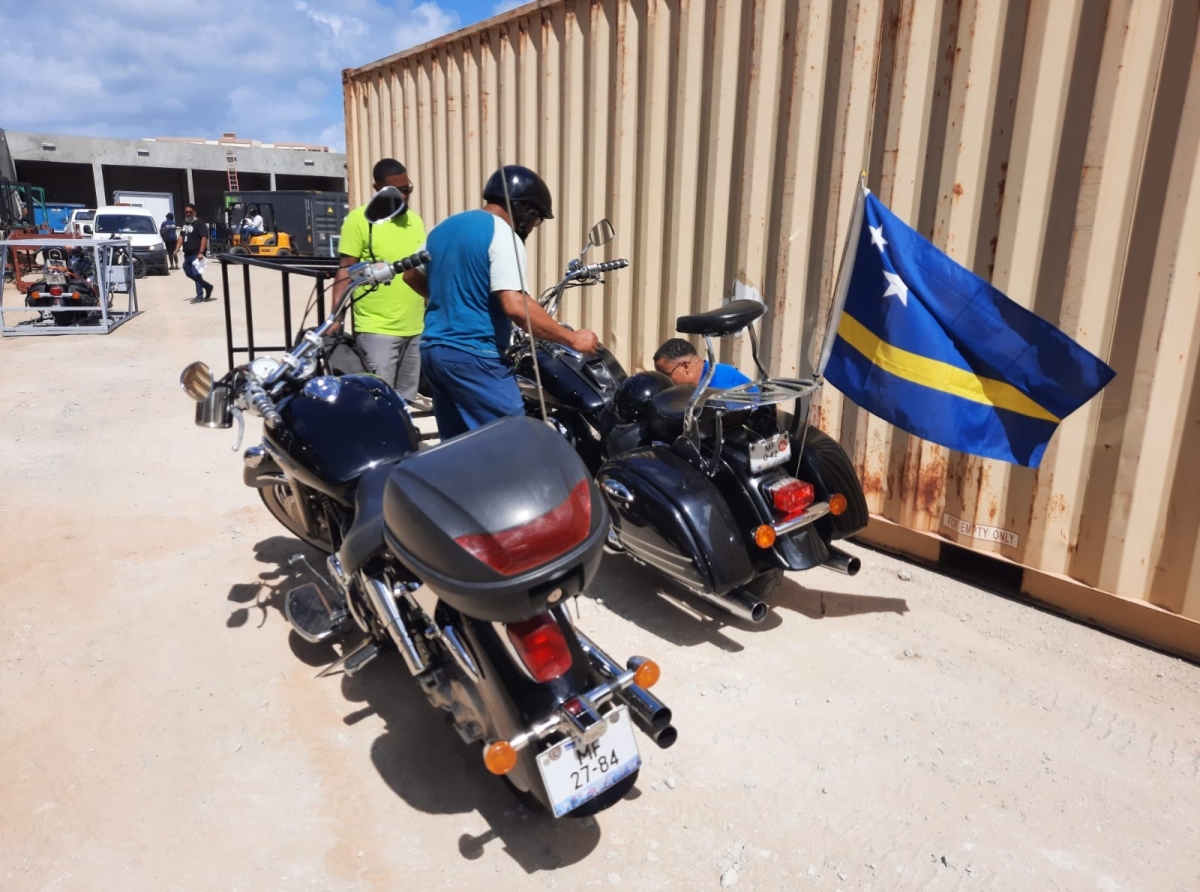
268, 243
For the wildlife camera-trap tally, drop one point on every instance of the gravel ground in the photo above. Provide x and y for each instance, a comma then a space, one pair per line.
163, 730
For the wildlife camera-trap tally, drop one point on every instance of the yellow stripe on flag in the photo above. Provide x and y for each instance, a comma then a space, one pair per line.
937, 375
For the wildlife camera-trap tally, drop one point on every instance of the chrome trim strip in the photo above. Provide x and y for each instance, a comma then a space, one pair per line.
814, 512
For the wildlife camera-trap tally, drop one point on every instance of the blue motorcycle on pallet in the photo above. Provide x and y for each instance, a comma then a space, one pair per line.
462, 556
717, 489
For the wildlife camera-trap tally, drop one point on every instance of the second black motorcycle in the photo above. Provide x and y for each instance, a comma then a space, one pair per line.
717, 489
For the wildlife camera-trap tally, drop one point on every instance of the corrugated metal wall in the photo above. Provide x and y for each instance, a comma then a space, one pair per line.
1050, 145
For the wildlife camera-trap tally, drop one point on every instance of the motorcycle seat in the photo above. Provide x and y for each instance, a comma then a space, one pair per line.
724, 320
365, 536
665, 418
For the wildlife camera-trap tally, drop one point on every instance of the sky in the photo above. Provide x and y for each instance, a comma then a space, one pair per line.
270, 70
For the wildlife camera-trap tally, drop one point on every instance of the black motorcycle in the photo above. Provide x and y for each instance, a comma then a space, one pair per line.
462, 556
718, 489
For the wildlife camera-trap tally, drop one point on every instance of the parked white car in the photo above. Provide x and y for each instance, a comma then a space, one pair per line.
139, 226
79, 223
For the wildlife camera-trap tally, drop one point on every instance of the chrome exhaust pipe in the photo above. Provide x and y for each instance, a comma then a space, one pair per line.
650, 714
665, 737
842, 562
740, 604
389, 614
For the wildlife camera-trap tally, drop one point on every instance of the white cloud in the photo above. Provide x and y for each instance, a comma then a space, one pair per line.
265, 69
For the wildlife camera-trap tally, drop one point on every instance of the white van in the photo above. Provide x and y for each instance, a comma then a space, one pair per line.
139, 226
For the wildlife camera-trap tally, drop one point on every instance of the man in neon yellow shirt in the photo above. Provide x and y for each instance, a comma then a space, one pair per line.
389, 320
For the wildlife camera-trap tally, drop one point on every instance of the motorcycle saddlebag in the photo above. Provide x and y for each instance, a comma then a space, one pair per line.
498, 520
677, 520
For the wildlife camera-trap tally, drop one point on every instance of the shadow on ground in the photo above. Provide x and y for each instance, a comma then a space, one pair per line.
419, 755
648, 598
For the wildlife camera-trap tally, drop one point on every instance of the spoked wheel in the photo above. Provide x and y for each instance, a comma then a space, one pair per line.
281, 502
139, 267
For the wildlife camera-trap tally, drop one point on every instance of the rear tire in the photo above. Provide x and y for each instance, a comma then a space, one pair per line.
239, 251
283, 252
763, 585
281, 502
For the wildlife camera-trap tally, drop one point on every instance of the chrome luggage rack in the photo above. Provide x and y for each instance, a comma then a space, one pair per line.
760, 393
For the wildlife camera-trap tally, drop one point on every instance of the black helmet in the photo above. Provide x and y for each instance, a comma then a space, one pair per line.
636, 393
529, 194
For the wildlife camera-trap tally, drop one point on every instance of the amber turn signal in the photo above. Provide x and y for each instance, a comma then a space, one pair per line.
837, 504
764, 536
500, 757
647, 674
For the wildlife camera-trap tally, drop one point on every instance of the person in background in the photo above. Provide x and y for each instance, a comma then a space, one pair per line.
252, 224
679, 361
194, 239
169, 233
475, 282
389, 319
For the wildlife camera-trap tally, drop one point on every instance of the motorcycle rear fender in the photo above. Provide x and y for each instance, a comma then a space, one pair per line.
513, 700
799, 550
677, 519
825, 464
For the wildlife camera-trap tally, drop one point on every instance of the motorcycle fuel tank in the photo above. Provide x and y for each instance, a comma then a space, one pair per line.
336, 429
586, 383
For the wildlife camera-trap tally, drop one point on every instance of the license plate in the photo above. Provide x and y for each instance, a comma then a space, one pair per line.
573, 775
770, 452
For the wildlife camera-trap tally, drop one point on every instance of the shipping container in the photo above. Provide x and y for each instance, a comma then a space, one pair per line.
54, 215
312, 219
1052, 146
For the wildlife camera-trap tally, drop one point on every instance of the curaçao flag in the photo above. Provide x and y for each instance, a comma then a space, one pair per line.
932, 348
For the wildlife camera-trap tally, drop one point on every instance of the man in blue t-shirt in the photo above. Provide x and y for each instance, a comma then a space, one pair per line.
679, 361
476, 288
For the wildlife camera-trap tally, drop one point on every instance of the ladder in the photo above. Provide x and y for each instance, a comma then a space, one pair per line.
231, 170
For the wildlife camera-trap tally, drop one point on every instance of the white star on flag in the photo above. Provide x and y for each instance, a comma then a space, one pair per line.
897, 287
877, 238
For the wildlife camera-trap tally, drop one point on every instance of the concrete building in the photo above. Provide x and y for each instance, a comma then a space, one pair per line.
89, 169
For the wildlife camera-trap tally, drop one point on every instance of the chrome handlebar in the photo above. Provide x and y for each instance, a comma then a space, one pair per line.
377, 273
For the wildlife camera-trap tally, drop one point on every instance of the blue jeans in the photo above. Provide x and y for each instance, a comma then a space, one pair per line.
190, 272
468, 391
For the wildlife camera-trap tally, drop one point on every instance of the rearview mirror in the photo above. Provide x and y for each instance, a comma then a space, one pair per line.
197, 381
600, 234
385, 204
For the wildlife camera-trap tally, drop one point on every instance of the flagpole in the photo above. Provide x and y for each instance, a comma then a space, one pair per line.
842, 286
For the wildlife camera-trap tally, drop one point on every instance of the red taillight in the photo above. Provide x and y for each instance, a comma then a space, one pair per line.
544, 538
790, 496
541, 646
55, 291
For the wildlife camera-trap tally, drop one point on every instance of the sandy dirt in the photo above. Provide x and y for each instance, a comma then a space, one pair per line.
161, 728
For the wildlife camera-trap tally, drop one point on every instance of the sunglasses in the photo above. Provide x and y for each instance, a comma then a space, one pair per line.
406, 190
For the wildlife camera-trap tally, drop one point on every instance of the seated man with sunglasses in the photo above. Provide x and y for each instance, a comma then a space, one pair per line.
679, 361
388, 320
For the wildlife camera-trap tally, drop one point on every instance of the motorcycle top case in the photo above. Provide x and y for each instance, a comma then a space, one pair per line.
496, 520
